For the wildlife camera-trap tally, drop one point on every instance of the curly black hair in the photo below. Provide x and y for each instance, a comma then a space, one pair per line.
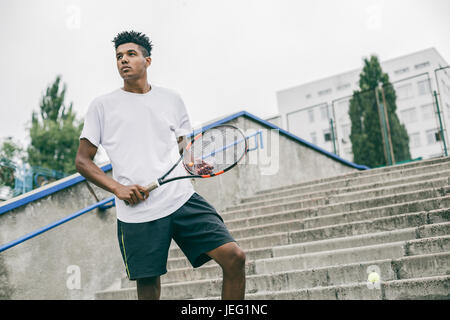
135, 37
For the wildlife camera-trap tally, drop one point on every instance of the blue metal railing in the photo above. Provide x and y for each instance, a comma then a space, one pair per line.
100, 204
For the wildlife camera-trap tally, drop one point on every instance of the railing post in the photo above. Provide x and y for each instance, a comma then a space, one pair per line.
441, 129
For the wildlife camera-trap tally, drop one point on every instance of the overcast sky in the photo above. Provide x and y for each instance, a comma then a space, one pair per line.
221, 56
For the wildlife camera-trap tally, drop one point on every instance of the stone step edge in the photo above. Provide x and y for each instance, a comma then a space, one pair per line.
349, 238
399, 195
393, 263
354, 175
338, 195
251, 265
174, 247
404, 244
380, 184
365, 173
383, 286
328, 215
299, 210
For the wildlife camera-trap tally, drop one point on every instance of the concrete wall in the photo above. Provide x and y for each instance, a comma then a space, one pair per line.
46, 266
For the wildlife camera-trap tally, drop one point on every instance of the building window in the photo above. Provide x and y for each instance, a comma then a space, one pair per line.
311, 115
313, 137
422, 65
404, 91
344, 86
342, 105
414, 140
326, 135
432, 136
324, 112
445, 87
424, 87
346, 128
427, 111
408, 115
401, 71
324, 92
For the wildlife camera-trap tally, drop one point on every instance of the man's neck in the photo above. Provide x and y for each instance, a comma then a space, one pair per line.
137, 86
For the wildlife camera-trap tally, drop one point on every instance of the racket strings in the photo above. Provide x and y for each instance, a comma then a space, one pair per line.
215, 150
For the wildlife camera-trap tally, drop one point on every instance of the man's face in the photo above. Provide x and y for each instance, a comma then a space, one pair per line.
131, 63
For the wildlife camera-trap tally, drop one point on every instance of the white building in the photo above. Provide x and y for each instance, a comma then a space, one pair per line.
306, 110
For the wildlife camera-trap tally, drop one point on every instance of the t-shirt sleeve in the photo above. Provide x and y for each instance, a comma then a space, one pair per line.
182, 126
92, 128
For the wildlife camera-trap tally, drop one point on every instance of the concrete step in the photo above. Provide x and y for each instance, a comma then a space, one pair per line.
346, 282
318, 238
371, 213
436, 265
356, 178
326, 190
427, 288
350, 255
264, 231
405, 168
426, 231
312, 218
326, 277
317, 208
309, 218
338, 197
389, 223
338, 232
280, 250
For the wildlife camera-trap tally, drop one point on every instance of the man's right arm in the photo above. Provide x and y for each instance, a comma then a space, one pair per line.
87, 168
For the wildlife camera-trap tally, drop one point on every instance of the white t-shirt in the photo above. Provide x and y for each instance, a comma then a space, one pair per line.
138, 132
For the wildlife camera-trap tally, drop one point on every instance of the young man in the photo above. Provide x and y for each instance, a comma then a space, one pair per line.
141, 127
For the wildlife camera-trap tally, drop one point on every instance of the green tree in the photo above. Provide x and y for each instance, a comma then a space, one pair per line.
366, 131
54, 132
11, 154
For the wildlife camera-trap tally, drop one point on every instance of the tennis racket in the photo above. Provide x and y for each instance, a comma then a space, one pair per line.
208, 154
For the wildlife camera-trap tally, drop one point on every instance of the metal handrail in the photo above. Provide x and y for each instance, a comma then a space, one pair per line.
56, 223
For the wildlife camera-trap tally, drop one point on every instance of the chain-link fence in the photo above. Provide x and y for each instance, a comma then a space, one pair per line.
16, 180
393, 123
314, 124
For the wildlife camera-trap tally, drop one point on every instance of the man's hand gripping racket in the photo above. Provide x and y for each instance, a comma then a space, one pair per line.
208, 154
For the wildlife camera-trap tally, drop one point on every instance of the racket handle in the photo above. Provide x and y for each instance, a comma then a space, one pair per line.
149, 188
152, 186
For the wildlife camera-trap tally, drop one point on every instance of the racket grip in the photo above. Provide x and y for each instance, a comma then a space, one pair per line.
152, 186
149, 188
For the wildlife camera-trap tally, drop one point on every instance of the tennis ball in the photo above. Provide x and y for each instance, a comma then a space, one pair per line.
373, 277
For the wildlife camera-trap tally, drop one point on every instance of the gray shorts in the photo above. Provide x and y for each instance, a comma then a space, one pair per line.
196, 227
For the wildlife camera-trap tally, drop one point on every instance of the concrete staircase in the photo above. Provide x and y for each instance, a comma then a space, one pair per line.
320, 239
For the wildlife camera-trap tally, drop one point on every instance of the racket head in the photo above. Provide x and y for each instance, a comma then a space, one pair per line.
214, 151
